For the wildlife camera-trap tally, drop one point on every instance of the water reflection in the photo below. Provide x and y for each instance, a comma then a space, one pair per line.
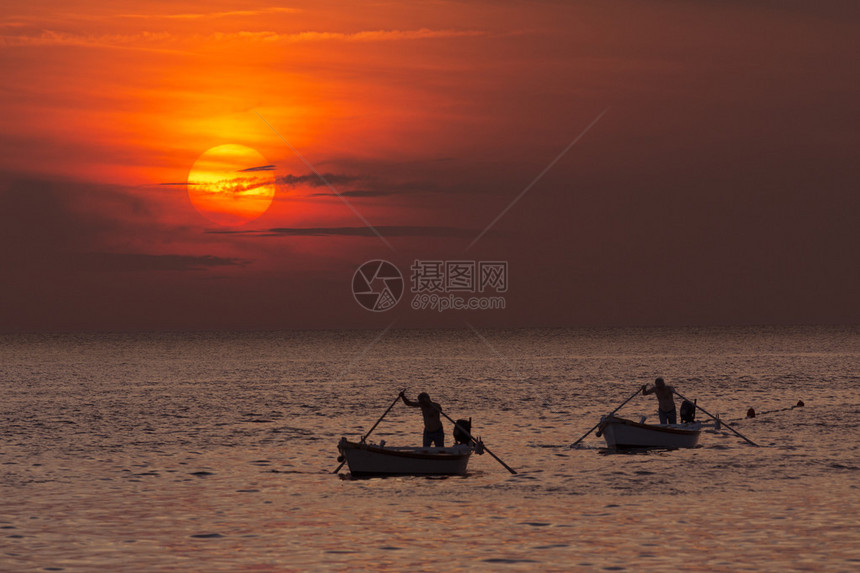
218, 456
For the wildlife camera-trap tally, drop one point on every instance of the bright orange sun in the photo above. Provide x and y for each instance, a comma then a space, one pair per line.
231, 184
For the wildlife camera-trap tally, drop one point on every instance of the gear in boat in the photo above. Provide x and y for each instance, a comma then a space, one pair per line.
688, 412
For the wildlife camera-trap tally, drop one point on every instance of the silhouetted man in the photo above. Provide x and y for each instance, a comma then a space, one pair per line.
433, 432
665, 401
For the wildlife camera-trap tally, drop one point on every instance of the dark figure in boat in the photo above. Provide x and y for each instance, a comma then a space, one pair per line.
433, 431
665, 401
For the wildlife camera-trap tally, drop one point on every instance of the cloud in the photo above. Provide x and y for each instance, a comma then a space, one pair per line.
67, 227
383, 35
54, 38
235, 186
269, 167
143, 262
371, 186
364, 36
310, 179
377, 188
145, 40
314, 180
356, 193
89, 16
385, 230
204, 15
42, 220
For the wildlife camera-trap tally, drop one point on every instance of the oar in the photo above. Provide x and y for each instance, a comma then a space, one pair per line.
471, 437
371, 429
720, 421
609, 414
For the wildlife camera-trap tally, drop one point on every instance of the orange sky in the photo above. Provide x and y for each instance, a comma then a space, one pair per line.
717, 187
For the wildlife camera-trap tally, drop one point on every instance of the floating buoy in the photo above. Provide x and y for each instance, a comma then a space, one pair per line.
800, 403
751, 413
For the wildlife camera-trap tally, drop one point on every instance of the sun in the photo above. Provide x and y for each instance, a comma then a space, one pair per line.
231, 184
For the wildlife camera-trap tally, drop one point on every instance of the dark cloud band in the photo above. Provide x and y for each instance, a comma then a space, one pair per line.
388, 231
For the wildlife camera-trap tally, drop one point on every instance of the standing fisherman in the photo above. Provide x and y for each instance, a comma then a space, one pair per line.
665, 402
433, 432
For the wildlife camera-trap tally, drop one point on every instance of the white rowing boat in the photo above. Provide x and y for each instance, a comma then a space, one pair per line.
366, 459
621, 433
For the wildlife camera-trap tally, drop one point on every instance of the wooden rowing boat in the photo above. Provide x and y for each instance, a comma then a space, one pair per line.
622, 433
366, 460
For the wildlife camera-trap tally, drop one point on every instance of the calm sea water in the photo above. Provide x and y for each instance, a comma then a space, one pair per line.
214, 452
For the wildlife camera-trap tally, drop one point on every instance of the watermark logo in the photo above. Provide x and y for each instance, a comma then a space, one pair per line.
435, 285
377, 285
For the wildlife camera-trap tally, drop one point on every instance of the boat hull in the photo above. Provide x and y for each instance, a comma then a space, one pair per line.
620, 433
366, 460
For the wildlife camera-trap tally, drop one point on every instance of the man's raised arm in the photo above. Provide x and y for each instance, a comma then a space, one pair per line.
408, 402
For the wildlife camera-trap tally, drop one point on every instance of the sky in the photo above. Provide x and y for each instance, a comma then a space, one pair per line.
641, 163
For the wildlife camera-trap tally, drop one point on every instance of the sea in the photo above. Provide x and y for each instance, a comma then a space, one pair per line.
216, 451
